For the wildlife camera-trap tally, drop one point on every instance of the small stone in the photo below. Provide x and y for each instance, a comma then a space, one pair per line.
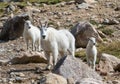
18, 79
0, 80
117, 8
19, 74
28, 3
12, 74
117, 68
62, 4
32, 81
4, 80
116, 82
11, 80
70, 2
103, 73
3, 62
110, 21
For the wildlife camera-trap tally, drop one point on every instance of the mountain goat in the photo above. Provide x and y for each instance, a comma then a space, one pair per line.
57, 42
32, 33
91, 52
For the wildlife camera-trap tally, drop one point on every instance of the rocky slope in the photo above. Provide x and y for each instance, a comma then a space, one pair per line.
104, 15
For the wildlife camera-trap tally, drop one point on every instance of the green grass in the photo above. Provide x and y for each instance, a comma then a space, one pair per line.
2, 5
47, 1
94, 22
81, 54
110, 48
108, 31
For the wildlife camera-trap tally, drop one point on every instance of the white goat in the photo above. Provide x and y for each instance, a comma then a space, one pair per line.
91, 52
32, 33
57, 42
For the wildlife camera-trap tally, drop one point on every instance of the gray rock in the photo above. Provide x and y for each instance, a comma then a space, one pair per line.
70, 67
101, 34
70, 2
84, 6
3, 18
117, 68
10, 8
4, 80
62, 4
109, 82
110, 21
90, 81
52, 78
1, 24
108, 62
117, 8
82, 31
13, 27
4, 62
116, 81
16, 74
85, 1
29, 4
29, 57
19, 79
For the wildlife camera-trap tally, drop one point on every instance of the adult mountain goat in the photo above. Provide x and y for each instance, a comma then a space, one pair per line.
57, 42
91, 52
32, 33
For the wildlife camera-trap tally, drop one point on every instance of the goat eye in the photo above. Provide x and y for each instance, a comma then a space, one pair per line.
40, 28
90, 40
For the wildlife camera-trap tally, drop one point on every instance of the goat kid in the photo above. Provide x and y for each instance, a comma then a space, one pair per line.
91, 52
32, 33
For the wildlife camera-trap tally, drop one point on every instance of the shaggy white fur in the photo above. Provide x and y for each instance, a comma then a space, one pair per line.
91, 52
57, 42
32, 33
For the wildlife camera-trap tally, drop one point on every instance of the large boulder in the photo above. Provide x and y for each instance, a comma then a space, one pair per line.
29, 57
108, 63
82, 31
13, 27
52, 78
72, 68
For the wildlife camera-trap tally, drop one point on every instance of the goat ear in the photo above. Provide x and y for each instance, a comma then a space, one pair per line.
88, 38
46, 24
40, 24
